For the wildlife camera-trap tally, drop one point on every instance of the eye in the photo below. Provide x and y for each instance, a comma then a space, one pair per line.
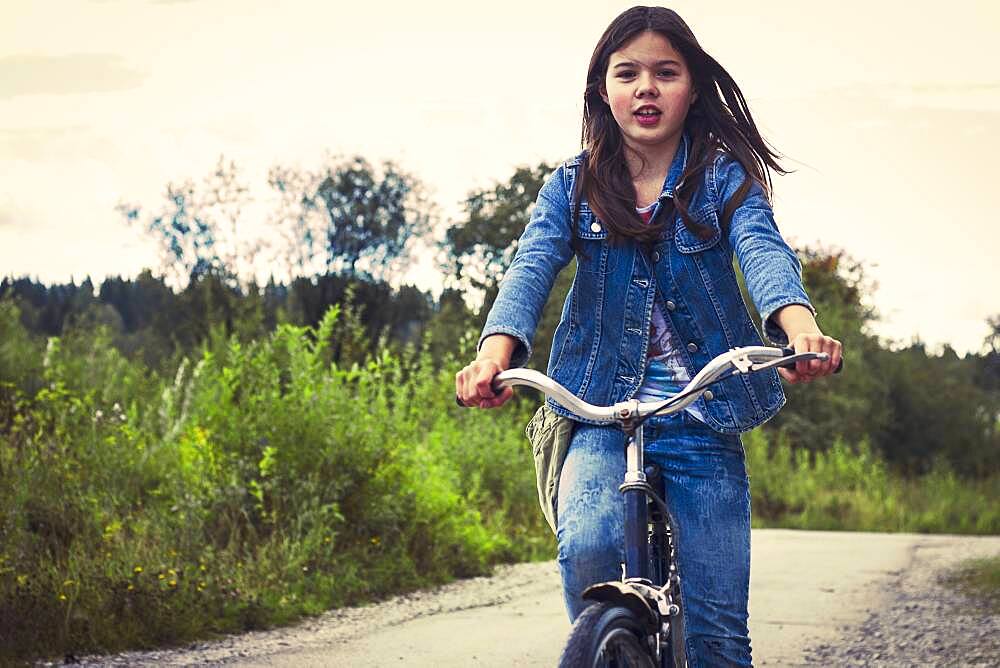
626, 74
666, 73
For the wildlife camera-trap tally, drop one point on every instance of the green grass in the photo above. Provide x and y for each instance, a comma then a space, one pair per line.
979, 578
848, 487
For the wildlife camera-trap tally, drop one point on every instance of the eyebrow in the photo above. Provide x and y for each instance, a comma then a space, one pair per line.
661, 63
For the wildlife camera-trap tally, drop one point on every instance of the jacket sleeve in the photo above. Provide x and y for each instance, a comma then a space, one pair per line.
770, 267
542, 251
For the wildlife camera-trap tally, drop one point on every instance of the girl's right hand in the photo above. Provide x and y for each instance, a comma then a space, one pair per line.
474, 384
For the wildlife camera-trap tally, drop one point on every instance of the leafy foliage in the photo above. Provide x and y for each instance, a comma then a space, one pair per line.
482, 247
199, 229
241, 490
349, 212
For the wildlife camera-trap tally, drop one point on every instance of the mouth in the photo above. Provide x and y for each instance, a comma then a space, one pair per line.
647, 110
647, 115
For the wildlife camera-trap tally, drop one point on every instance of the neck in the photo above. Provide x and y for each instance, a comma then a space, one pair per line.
645, 162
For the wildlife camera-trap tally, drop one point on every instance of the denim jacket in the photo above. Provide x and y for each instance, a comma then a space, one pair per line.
599, 347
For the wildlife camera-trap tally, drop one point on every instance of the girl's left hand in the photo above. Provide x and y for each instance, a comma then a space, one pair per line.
817, 342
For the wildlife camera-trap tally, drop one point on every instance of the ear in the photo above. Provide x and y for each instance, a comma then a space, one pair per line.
694, 96
603, 90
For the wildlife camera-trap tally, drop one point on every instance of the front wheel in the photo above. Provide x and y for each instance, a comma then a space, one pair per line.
607, 636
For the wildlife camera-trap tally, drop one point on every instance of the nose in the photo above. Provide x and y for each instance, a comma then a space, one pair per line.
646, 86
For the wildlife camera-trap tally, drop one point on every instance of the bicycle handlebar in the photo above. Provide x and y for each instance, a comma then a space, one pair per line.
749, 359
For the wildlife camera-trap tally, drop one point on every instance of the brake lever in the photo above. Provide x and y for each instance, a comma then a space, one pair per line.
791, 357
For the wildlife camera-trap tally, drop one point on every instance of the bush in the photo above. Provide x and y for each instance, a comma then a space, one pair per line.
259, 483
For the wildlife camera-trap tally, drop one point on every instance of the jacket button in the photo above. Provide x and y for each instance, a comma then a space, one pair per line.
708, 395
670, 305
692, 347
595, 227
656, 256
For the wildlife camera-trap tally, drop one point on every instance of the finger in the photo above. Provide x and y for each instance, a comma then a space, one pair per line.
789, 375
468, 393
815, 365
802, 366
484, 383
499, 400
814, 344
836, 356
829, 347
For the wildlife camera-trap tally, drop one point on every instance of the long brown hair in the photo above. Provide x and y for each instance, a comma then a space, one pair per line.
718, 119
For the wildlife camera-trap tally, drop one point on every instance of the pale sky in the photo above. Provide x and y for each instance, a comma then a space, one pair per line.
888, 111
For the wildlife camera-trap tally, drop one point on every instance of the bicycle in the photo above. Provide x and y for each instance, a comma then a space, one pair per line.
639, 621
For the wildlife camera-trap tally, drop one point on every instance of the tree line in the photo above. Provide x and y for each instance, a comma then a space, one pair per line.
342, 234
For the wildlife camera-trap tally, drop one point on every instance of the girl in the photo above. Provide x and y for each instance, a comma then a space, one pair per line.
674, 180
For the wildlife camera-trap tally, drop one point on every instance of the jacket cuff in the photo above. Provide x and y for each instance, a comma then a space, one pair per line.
522, 352
772, 332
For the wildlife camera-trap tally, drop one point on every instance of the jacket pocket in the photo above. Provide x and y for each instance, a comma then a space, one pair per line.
689, 242
591, 243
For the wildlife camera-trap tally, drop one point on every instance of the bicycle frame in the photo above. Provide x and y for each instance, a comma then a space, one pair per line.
634, 491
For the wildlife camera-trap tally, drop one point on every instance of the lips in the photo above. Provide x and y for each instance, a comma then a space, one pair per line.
647, 115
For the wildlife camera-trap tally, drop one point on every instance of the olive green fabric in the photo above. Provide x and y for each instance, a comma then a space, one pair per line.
550, 435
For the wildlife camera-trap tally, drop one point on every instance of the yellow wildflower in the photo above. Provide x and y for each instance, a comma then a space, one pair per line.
161, 576
62, 597
137, 569
173, 583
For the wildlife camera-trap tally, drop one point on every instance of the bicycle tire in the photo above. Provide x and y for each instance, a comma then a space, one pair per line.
607, 636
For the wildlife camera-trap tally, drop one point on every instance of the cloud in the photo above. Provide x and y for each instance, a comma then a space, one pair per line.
969, 97
72, 74
42, 143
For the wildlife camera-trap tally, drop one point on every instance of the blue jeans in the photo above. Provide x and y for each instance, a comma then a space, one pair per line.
708, 493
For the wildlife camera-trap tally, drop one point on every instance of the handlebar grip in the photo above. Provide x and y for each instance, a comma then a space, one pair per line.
497, 389
787, 352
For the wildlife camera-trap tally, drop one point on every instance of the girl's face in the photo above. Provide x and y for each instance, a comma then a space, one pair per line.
649, 89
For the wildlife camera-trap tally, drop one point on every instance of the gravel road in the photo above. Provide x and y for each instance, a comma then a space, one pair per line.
817, 598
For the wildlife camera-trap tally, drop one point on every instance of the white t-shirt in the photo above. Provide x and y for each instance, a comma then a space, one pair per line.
665, 372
